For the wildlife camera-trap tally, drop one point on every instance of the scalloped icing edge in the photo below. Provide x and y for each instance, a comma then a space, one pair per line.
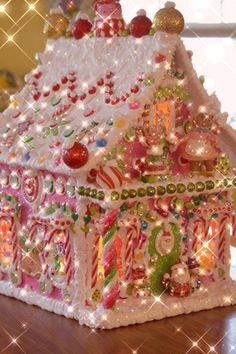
214, 296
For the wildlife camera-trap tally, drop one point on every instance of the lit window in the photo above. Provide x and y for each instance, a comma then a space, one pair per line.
211, 35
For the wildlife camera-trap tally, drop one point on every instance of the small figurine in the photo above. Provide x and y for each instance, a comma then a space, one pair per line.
109, 20
179, 282
199, 146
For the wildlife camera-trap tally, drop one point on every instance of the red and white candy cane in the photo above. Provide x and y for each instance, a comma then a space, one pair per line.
132, 232
95, 250
47, 244
223, 234
200, 230
68, 254
233, 227
33, 230
109, 259
68, 257
15, 248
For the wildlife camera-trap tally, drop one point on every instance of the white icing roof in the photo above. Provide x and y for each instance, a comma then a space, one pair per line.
32, 137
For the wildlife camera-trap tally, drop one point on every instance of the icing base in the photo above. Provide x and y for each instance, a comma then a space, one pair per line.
131, 311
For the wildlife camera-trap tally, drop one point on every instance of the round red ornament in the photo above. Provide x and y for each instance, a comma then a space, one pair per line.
140, 25
76, 156
81, 28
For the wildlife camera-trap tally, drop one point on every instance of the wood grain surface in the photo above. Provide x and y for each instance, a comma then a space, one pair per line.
28, 329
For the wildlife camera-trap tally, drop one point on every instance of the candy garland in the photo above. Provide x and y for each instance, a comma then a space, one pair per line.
69, 82
109, 259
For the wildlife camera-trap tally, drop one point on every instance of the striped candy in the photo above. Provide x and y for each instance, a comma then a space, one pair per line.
223, 234
109, 260
109, 177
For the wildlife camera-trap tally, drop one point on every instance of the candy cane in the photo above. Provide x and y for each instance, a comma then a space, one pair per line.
109, 259
68, 256
233, 225
95, 250
46, 252
199, 229
15, 252
223, 231
131, 233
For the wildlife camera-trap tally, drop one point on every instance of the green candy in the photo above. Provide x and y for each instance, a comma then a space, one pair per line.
191, 187
141, 192
132, 193
68, 133
100, 195
171, 188
93, 193
124, 194
125, 33
189, 205
87, 192
210, 185
181, 188
151, 191
149, 81
55, 131
141, 209
152, 179
121, 164
46, 132
161, 190
55, 101
124, 207
130, 135
110, 122
200, 186
196, 201
87, 219
115, 196
81, 190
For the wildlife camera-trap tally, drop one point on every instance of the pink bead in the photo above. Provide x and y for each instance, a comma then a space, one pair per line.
134, 105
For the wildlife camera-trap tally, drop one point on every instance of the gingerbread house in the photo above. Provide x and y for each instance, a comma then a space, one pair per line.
117, 176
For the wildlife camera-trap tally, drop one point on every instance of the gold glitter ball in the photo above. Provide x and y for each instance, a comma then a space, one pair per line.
56, 25
169, 20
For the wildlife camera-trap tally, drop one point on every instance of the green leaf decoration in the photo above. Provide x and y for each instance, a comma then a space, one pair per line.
92, 211
87, 219
50, 210
75, 217
164, 263
68, 210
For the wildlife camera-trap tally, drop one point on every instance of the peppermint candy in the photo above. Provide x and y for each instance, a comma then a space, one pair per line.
32, 187
109, 177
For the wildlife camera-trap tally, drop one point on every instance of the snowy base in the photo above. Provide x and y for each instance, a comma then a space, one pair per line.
131, 311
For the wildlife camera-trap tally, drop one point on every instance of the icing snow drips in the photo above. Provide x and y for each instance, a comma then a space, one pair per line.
49, 111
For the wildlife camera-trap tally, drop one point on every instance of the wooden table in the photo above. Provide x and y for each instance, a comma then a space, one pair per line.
41, 332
